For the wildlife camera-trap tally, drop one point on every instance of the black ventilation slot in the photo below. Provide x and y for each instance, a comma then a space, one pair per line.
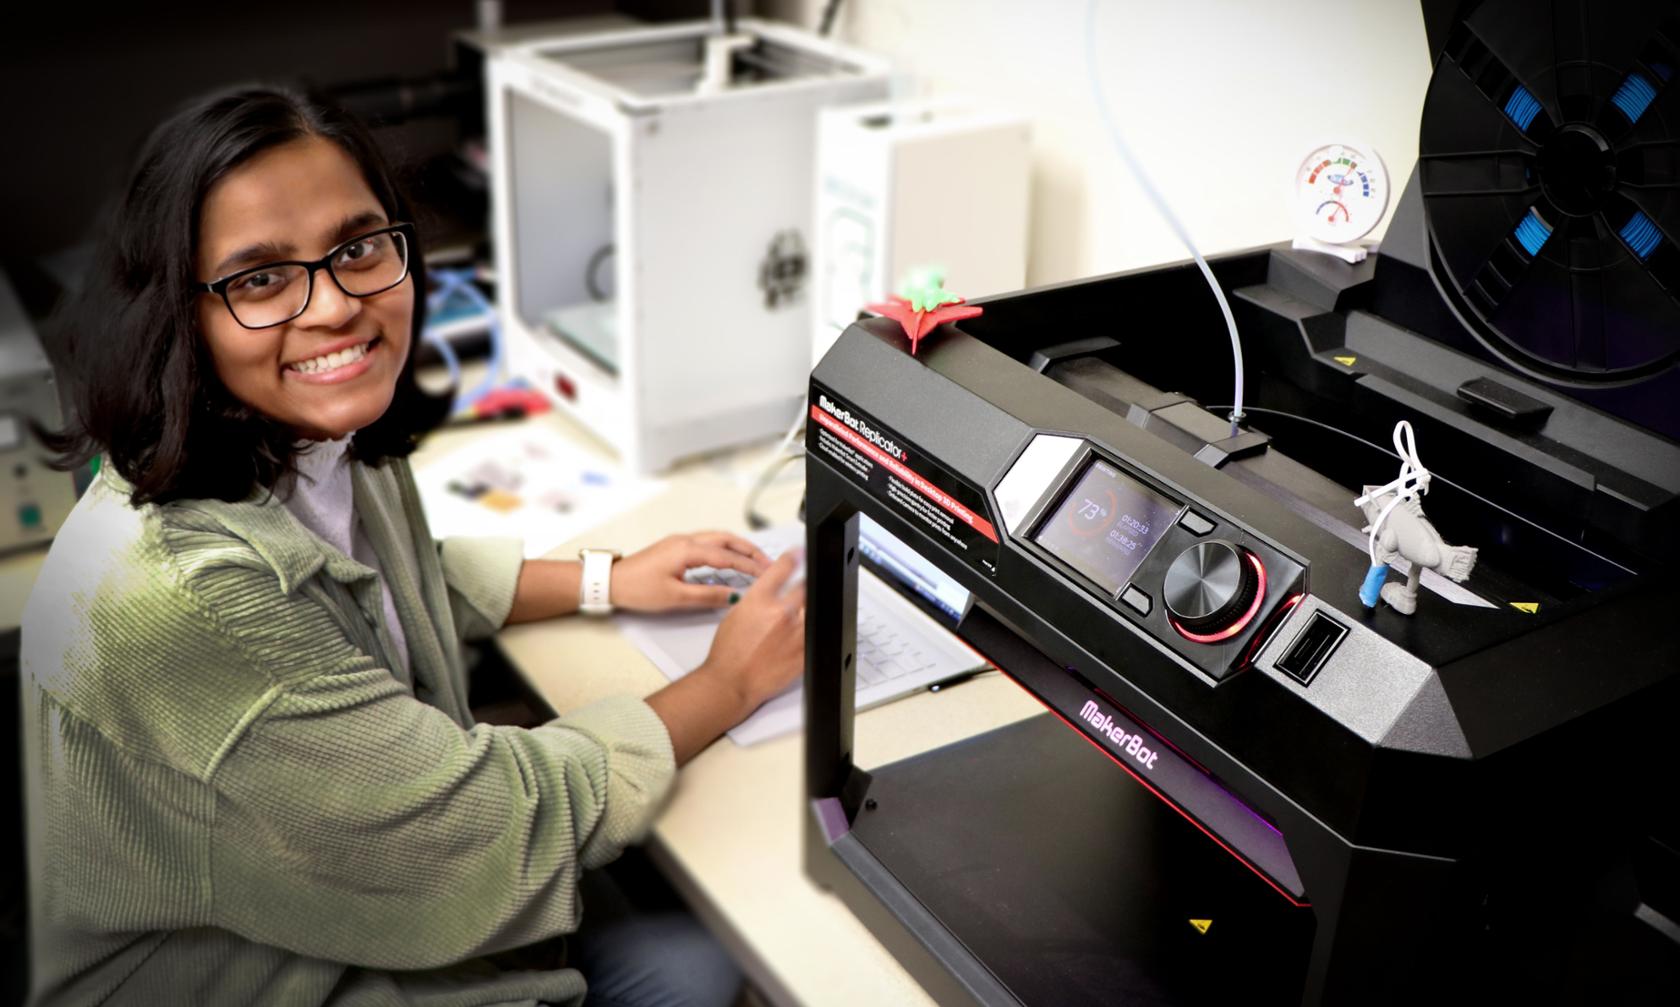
1311, 648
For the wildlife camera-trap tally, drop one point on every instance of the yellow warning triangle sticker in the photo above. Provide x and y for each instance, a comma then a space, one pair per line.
1201, 925
1345, 361
1530, 607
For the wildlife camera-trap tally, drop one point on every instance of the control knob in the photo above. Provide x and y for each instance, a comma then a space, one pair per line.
1213, 589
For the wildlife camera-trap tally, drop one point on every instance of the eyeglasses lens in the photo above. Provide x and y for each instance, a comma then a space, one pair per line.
363, 267
371, 264
269, 296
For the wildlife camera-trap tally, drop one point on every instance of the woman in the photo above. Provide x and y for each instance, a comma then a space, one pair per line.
251, 772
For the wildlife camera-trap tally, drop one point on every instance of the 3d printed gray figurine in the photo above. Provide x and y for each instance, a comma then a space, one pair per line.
1398, 530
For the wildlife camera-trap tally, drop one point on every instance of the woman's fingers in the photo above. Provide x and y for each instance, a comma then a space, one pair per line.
794, 600
773, 580
707, 595
720, 558
735, 544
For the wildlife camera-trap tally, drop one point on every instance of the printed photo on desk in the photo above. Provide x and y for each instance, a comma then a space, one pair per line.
531, 482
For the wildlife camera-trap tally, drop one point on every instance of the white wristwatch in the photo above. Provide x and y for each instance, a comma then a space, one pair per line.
594, 593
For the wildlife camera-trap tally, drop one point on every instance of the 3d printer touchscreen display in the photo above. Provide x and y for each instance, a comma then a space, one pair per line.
1106, 525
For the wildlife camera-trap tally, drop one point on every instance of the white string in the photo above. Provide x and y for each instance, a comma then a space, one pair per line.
1412, 482
1148, 187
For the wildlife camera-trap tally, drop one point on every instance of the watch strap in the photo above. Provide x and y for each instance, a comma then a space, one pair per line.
595, 589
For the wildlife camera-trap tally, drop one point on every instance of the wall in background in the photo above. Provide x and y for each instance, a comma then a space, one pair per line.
1220, 99
84, 87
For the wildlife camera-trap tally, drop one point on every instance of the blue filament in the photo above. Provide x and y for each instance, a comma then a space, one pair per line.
1641, 234
1522, 107
1532, 232
1634, 96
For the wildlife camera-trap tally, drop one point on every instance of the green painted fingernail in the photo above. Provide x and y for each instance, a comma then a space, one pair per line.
734, 596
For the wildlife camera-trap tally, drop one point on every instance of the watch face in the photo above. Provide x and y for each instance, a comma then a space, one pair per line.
1341, 192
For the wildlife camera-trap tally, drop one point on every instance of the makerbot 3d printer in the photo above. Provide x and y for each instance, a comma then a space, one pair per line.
1304, 799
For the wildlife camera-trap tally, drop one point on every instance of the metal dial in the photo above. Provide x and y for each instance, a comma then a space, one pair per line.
1211, 587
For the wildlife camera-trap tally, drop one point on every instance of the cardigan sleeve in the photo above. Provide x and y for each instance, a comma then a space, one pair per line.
481, 574
355, 823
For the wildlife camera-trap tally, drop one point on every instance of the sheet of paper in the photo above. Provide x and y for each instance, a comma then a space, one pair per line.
530, 481
677, 644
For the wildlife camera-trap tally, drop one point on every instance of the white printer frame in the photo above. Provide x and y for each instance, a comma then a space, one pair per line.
706, 199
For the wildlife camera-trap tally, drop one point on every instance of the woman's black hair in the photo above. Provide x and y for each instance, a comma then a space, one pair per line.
138, 379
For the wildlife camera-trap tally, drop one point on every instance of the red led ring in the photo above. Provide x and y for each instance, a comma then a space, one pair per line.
1235, 627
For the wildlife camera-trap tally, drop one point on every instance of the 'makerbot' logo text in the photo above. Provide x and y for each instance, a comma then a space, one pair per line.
1131, 744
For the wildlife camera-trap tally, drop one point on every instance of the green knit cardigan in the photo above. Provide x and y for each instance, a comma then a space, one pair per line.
231, 800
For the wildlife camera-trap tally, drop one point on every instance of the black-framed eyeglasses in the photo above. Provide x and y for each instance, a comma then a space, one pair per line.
277, 292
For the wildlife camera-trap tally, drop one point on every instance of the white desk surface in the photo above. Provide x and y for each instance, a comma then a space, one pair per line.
730, 838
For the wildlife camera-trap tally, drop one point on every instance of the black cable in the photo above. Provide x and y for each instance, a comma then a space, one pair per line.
1316, 423
1433, 477
749, 508
828, 14
590, 283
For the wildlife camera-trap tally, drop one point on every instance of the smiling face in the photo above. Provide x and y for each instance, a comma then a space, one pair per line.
333, 369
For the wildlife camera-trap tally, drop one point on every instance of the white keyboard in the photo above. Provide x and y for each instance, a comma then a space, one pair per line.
900, 648
886, 650
712, 575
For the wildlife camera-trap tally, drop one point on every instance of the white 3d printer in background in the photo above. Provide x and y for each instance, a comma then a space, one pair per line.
653, 224
908, 185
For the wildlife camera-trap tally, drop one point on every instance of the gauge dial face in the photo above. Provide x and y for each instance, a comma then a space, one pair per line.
1341, 191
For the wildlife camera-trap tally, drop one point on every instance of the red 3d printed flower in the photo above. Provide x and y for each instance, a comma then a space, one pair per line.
919, 323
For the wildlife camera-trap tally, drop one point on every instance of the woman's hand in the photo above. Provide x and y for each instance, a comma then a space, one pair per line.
652, 580
758, 651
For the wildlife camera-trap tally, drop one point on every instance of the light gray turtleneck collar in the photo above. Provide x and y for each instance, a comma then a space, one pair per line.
323, 500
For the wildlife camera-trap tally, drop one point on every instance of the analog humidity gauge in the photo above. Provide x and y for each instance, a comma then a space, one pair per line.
1341, 193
